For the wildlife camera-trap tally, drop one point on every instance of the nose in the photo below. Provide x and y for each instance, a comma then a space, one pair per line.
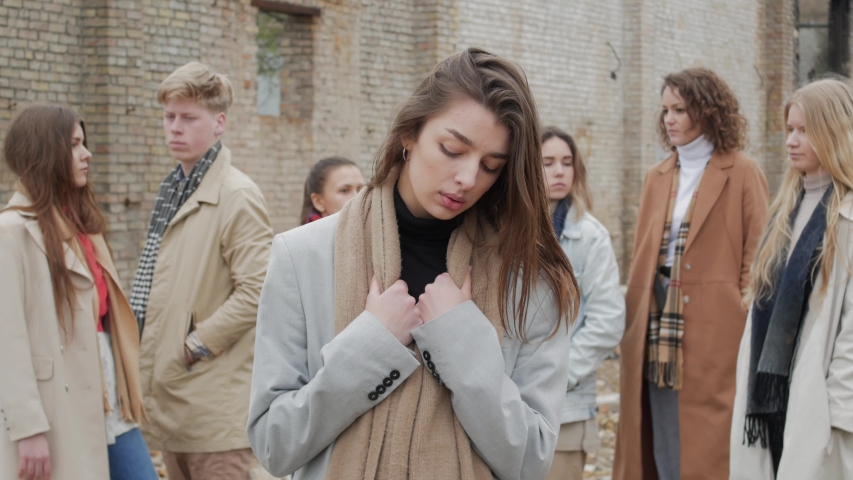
558, 169
466, 175
791, 141
176, 126
668, 119
87, 155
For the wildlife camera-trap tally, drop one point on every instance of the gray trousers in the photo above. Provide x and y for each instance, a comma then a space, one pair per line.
663, 403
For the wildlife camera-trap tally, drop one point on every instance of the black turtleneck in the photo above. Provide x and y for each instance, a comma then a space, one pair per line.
423, 246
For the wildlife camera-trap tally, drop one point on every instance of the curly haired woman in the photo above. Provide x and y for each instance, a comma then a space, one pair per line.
701, 213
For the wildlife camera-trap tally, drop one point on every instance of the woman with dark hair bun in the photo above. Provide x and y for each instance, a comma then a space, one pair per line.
330, 184
701, 213
421, 333
69, 343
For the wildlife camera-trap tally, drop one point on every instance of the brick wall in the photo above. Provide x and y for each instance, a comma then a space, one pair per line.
40, 60
345, 72
568, 53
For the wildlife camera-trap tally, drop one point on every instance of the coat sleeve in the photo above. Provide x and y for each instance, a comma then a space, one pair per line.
512, 419
604, 311
245, 248
755, 197
839, 379
292, 416
20, 402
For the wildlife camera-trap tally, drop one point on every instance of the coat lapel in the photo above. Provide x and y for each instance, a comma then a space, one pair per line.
710, 187
658, 201
208, 189
72, 261
102, 254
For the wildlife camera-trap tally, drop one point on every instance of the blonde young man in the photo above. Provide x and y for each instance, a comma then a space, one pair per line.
196, 289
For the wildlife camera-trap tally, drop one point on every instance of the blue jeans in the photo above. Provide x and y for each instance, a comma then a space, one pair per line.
130, 459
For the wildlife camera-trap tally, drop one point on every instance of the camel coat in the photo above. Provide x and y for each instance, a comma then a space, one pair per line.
50, 382
819, 423
209, 274
728, 219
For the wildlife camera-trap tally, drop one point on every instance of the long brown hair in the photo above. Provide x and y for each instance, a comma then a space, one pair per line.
315, 182
711, 105
581, 198
517, 204
38, 150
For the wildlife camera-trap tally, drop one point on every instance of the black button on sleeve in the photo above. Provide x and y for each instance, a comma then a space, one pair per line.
427, 356
395, 374
380, 389
387, 382
372, 396
430, 365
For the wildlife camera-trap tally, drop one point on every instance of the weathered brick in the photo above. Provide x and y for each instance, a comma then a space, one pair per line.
347, 71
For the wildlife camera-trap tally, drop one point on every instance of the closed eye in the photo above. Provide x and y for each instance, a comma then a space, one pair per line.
487, 169
447, 152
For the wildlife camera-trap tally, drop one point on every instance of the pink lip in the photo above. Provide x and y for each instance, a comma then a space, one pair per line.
176, 144
451, 201
559, 185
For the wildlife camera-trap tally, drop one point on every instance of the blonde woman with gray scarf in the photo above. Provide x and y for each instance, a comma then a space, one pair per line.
793, 411
442, 350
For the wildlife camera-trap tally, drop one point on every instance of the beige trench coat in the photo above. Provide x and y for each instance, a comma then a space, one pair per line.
208, 277
728, 218
50, 382
819, 426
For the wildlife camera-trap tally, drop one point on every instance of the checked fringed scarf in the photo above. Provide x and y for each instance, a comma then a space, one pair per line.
173, 193
665, 358
414, 432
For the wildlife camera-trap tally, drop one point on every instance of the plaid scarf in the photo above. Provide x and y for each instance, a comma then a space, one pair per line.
665, 358
174, 191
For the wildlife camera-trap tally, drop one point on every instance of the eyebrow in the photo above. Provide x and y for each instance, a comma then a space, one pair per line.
470, 143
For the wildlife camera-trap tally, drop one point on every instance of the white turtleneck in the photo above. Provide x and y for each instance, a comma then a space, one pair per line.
694, 157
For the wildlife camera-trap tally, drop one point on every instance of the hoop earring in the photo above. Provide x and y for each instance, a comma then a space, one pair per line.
405, 155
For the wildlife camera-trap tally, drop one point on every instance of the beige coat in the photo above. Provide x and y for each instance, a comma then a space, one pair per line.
728, 219
50, 382
819, 424
208, 277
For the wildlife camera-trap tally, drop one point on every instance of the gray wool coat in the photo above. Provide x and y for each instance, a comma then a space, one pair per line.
309, 385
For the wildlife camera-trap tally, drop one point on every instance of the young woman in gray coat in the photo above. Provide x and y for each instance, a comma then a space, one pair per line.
356, 379
601, 319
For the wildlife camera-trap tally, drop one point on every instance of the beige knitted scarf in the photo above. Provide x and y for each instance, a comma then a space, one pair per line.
413, 433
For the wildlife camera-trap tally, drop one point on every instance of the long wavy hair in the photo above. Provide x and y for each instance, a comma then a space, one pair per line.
827, 107
580, 196
38, 150
711, 104
517, 204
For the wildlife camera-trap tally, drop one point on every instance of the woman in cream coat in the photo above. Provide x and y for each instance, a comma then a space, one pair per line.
67, 389
811, 435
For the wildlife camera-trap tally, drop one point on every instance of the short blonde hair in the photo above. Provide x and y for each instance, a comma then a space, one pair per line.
196, 81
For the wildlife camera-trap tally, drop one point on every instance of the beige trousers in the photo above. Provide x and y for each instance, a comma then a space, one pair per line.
230, 465
567, 466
